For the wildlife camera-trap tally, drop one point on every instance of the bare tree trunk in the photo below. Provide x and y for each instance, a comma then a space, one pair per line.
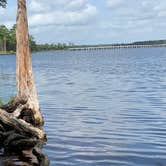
4, 44
26, 89
1, 43
21, 120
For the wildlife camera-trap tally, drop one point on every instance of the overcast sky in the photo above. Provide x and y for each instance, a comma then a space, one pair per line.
92, 21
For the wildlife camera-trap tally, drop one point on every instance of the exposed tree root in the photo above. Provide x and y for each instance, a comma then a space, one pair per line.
20, 136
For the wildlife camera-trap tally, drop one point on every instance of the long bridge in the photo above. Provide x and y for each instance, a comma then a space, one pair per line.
114, 47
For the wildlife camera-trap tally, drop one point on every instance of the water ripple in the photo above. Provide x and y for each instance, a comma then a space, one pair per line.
101, 108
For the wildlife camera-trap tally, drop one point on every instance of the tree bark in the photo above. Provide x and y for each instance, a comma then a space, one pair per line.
1, 45
4, 44
20, 119
26, 89
20, 125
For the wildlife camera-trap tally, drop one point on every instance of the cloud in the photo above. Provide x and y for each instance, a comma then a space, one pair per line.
91, 21
36, 6
8, 16
115, 3
142, 18
61, 12
132, 10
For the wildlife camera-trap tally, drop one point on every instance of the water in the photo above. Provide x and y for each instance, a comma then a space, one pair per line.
101, 108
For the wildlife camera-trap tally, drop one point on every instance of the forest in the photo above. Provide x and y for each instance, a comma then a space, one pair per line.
8, 41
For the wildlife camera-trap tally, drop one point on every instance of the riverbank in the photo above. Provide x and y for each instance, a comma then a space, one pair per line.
6, 52
93, 47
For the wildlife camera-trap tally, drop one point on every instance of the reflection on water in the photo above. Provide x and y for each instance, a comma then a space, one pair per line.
101, 108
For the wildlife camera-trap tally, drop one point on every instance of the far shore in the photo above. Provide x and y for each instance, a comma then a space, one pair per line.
6, 52
94, 47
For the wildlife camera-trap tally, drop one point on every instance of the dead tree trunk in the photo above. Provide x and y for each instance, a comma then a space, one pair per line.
4, 44
21, 120
1, 45
26, 89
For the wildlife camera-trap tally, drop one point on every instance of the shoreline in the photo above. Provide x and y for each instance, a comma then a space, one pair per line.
2, 53
7, 52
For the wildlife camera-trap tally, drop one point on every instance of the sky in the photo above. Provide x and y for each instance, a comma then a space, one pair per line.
91, 21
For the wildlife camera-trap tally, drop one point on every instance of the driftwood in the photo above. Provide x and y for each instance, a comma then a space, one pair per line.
19, 136
20, 125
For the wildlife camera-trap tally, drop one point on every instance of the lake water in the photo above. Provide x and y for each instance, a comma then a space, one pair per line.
101, 108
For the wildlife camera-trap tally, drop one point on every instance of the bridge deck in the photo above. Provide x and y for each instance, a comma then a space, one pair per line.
116, 47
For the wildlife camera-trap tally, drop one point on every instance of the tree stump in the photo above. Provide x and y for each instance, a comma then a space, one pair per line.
21, 122
21, 137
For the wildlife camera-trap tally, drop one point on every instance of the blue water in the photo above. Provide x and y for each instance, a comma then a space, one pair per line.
101, 108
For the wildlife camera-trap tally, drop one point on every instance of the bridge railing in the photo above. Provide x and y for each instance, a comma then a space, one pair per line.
116, 47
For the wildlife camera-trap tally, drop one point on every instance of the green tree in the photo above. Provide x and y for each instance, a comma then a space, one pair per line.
32, 43
2, 37
4, 33
3, 3
11, 40
8, 39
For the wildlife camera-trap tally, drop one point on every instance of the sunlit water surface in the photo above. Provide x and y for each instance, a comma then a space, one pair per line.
101, 108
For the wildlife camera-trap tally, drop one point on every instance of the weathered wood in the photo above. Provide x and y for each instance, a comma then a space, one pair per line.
11, 138
22, 138
29, 154
42, 158
20, 125
21, 120
22, 144
26, 89
2, 128
11, 107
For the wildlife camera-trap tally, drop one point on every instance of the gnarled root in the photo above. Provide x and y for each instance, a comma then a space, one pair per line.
26, 110
19, 134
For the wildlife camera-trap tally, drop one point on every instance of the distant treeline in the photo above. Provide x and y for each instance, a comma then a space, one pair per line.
46, 47
8, 39
8, 42
150, 42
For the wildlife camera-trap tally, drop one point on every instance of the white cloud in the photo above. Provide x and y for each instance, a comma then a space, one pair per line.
36, 6
115, 3
91, 21
143, 18
76, 4
137, 10
61, 12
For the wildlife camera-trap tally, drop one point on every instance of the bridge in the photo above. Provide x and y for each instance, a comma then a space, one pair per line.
114, 47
